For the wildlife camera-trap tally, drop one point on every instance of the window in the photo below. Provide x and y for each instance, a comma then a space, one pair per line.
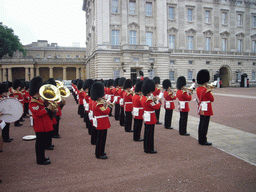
151, 61
149, 36
253, 75
239, 45
171, 13
115, 37
171, 75
132, 37
68, 56
224, 18
253, 64
254, 46
207, 62
171, 41
148, 9
224, 44
77, 56
190, 42
151, 74
190, 62
49, 56
207, 43
132, 4
239, 63
37, 56
58, 56
239, 19
190, 15
172, 62
116, 73
117, 60
239, 2
254, 21
190, 75
135, 59
114, 6
207, 16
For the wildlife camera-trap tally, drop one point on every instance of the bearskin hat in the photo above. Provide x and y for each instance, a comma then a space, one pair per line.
35, 85
148, 86
9, 84
156, 79
181, 81
146, 78
80, 84
127, 84
121, 81
141, 73
167, 84
138, 86
3, 88
51, 81
26, 85
88, 83
203, 76
97, 91
110, 82
22, 85
116, 81
16, 83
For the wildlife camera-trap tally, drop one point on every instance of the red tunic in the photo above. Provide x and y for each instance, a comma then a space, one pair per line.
82, 96
121, 100
86, 104
116, 95
17, 95
42, 121
149, 106
111, 94
205, 96
183, 97
127, 101
157, 92
137, 107
169, 98
100, 114
27, 97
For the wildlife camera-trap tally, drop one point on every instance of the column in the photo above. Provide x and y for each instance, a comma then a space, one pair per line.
9, 74
77, 72
26, 74
51, 72
1, 77
32, 73
64, 73
83, 71
37, 71
4, 74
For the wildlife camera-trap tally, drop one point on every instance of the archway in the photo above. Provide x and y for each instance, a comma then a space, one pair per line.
224, 76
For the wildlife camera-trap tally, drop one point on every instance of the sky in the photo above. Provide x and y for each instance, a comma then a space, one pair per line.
57, 21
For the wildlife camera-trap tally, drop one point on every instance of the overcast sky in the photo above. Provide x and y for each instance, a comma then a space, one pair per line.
58, 21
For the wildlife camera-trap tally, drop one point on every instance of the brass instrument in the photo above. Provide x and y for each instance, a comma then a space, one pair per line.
50, 93
212, 85
107, 103
59, 83
64, 91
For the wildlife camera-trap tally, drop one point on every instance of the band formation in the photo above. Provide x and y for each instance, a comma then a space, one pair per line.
126, 100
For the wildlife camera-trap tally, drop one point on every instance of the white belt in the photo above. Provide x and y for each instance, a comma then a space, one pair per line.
95, 123
149, 111
168, 104
169, 101
128, 103
135, 111
147, 116
90, 115
182, 104
204, 106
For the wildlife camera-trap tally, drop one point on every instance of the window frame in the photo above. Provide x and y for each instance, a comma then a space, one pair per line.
132, 10
115, 37
151, 38
190, 40
207, 44
171, 41
151, 11
113, 6
132, 38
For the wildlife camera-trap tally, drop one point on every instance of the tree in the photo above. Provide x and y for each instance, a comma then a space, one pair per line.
9, 43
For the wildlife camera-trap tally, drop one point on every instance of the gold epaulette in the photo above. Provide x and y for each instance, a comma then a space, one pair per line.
208, 90
148, 99
36, 101
99, 103
184, 92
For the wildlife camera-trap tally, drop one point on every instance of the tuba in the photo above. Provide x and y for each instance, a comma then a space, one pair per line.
50, 93
59, 83
64, 91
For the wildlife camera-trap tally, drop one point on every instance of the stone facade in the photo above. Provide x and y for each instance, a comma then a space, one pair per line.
45, 60
171, 38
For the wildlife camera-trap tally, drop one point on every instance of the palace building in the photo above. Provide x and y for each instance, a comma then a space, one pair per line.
45, 60
171, 38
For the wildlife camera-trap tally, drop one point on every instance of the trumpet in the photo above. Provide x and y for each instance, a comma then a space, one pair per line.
188, 89
107, 103
212, 85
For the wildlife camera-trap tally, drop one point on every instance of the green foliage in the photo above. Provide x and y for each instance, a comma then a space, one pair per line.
9, 43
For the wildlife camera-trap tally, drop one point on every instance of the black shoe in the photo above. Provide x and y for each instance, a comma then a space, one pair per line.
56, 136
186, 134
102, 157
18, 125
130, 131
168, 127
46, 162
1, 150
206, 143
0, 181
151, 152
47, 158
50, 148
110, 115
141, 139
158, 123
8, 141
22, 120
26, 116
11, 138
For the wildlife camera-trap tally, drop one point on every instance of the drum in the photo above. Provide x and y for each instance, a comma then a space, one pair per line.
11, 109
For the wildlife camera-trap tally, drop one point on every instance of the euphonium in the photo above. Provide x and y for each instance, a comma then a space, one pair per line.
59, 83
50, 93
64, 91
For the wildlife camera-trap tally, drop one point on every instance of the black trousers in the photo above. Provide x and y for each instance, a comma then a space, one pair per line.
25, 109
137, 129
87, 121
93, 135
117, 111
101, 142
6, 132
183, 123
168, 118
81, 110
203, 129
56, 128
128, 121
41, 138
122, 116
49, 136
149, 137
157, 112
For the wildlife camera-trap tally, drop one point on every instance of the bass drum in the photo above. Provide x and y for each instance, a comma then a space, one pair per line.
11, 109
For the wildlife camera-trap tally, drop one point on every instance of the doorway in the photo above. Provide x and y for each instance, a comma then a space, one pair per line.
135, 72
224, 76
